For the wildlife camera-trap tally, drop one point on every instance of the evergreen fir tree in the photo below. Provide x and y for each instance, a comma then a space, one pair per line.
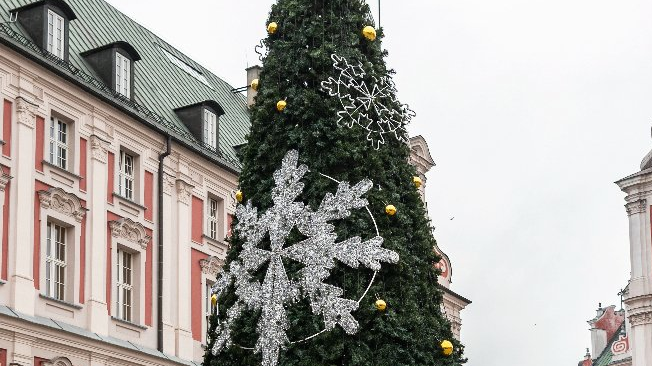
410, 330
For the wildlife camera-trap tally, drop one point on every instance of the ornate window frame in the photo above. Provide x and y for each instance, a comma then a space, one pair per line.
210, 267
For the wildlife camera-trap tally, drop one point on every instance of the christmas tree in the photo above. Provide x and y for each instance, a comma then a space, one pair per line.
331, 260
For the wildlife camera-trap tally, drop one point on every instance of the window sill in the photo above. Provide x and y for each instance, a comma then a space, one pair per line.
222, 246
128, 323
128, 201
2, 282
61, 302
64, 171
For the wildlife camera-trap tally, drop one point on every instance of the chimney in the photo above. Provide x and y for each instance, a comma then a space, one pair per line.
252, 73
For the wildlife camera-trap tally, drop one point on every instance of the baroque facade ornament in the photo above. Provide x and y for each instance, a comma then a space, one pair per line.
59, 200
99, 149
211, 265
26, 112
4, 180
640, 319
636, 207
184, 191
128, 229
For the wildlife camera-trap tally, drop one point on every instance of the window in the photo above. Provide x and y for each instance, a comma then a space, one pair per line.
125, 285
55, 261
209, 307
58, 143
210, 129
126, 176
212, 218
122, 74
56, 34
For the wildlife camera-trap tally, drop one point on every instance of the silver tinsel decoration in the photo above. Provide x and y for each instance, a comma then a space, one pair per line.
372, 107
317, 253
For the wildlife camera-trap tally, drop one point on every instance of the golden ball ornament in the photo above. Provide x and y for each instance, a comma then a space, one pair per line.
369, 33
447, 347
214, 299
390, 210
417, 181
272, 27
280, 106
254, 84
381, 305
238, 196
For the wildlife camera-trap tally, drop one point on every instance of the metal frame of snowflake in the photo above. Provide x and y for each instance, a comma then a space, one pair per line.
370, 108
317, 253
261, 50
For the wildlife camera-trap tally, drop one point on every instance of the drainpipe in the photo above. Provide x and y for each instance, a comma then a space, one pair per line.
159, 275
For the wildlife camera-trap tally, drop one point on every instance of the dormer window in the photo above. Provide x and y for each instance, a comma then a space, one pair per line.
203, 121
56, 34
210, 128
122, 74
47, 22
114, 63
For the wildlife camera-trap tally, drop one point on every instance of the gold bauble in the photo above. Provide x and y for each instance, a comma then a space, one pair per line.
369, 33
238, 196
447, 348
254, 84
381, 305
417, 181
390, 210
214, 299
280, 106
272, 27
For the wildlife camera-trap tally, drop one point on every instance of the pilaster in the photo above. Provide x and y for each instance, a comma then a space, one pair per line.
21, 278
184, 345
169, 274
98, 315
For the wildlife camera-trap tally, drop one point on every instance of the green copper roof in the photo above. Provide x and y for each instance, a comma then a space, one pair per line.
164, 78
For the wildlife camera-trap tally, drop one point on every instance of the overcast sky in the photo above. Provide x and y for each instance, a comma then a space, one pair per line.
532, 109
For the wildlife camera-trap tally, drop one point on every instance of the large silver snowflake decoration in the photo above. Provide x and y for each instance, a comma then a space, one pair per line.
372, 107
317, 253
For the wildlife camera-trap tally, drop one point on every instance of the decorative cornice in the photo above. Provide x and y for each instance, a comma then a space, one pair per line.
59, 200
26, 112
99, 149
640, 318
168, 184
184, 191
636, 207
128, 229
211, 266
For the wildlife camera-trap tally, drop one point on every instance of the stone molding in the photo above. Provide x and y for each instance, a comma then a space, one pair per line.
59, 361
99, 149
168, 184
4, 180
640, 318
211, 266
636, 207
26, 112
59, 200
184, 191
132, 231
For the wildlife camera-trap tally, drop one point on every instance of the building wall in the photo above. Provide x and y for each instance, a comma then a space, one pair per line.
99, 222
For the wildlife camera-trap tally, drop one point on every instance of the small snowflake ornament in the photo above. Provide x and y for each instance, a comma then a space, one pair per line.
318, 254
372, 107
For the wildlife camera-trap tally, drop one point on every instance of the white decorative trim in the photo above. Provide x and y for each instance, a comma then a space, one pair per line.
211, 266
59, 200
99, 149
130, 230
4, 180
168, 184
636, 207
26, 112
184, 191
59, 361
640, 318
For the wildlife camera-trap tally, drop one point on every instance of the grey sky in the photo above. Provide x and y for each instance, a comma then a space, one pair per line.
531, 110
